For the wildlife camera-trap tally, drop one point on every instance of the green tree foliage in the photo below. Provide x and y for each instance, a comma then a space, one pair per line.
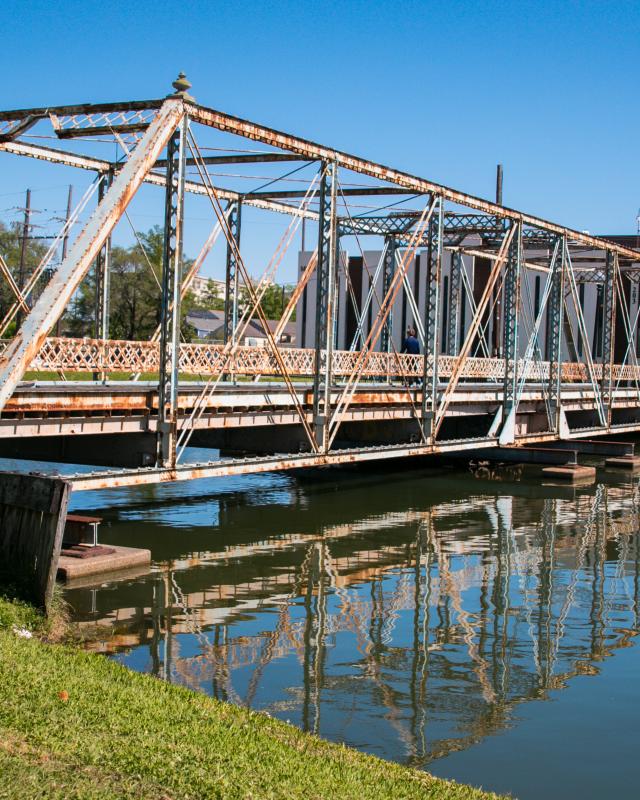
212, 300
135, 294
134, 311
274, 301
10, 250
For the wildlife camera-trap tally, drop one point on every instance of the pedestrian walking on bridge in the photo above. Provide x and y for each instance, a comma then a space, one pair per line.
411, 346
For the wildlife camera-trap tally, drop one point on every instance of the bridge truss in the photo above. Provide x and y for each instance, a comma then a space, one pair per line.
164, 144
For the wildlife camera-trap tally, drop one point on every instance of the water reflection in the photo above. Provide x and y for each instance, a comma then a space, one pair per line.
411, 619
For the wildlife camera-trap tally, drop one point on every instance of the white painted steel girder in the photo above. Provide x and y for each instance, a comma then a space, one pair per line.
54, 299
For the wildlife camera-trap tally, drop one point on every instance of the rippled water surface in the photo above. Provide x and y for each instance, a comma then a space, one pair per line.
481, 626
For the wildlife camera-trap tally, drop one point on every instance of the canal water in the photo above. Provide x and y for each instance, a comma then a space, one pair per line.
477, 624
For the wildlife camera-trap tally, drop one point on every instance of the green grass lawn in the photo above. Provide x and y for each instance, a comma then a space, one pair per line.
77, 725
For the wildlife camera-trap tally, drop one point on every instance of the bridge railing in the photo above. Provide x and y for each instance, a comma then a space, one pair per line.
120, 356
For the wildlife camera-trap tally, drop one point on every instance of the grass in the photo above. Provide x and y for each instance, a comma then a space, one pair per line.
77, 725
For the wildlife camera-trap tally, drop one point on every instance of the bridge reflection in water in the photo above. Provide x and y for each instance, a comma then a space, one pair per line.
380, 615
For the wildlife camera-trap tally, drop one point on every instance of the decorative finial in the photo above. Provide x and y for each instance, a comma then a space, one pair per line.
182, 86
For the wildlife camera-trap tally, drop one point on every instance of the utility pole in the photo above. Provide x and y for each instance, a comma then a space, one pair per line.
65, 244
23, 250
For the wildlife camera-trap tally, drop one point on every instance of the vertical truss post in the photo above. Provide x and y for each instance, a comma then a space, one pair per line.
609, 324
102, 275
231, 280
454, 303
170, 308
511, 307
555, 326
326, 295
389, 268
432, 320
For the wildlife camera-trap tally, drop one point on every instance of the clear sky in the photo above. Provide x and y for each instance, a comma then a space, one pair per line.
444, 90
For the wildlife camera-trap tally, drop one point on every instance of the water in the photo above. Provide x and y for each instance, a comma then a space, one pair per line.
481, 626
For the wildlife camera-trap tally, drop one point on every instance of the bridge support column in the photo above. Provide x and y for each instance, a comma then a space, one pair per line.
432, 321
555, 326
453, 330
609, 322
389, 268
326, 299
511, 304
231, 279
102, 274
170, 308
102, 280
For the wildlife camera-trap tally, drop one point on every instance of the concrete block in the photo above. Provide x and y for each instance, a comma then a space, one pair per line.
123, 558
571, 473
630, 463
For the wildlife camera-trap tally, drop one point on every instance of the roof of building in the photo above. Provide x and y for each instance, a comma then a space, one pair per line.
631, 240
213, 321
288, 331
209, 321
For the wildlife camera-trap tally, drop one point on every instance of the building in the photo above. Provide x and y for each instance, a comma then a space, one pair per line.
205, 287
210, 325
360, 292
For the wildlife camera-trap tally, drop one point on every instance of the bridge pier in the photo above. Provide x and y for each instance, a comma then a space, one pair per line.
595, 447
129, 450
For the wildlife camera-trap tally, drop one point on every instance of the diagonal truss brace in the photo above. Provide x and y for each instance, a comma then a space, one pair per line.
52, 302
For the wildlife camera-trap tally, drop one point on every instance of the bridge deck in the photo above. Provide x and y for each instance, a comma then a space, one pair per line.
55, 408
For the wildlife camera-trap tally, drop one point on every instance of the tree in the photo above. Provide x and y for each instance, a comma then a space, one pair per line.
10, 250
276, 299
212, 300
135, 293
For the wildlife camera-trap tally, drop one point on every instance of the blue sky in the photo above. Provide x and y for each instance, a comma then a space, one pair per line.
444, 90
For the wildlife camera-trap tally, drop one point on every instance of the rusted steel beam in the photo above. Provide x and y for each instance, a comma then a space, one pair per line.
53, 155
240, 158
313, 151
365, 191
52, 302
81, 108
100, 130
67, 159
309, 149
145, 476
18, 128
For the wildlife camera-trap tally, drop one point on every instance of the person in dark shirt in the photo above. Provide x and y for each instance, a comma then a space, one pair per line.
411, 345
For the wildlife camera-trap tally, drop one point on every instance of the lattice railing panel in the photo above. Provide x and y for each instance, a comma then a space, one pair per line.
111, 119
120, 356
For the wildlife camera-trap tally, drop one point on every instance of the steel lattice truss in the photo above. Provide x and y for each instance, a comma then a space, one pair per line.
161, 145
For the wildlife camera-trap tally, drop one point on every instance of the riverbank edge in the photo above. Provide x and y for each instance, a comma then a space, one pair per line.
78, 725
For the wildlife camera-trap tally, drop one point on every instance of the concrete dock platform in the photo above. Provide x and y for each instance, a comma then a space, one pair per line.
118, 560
629, 463
571, 473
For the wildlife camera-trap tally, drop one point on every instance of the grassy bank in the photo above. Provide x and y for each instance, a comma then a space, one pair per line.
75, 725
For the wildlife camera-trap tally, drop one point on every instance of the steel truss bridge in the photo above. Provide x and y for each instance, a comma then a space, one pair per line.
277, 407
